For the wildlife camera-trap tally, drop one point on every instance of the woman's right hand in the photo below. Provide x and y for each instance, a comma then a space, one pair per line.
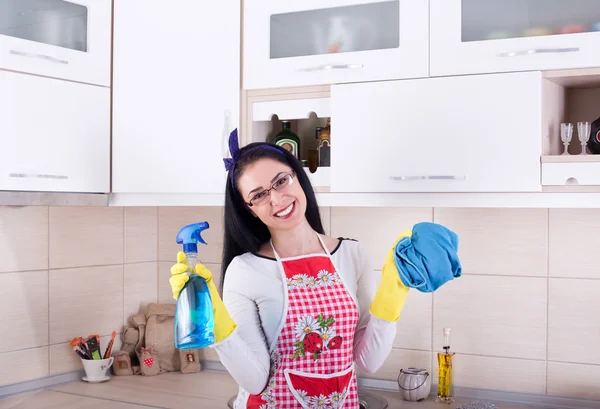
224, 325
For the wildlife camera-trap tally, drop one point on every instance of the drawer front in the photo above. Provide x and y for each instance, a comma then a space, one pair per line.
484, 36
61, 39
297, 43
566, 174
55, 135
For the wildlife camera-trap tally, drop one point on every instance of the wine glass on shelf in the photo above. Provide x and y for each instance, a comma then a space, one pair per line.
583, 131
566, 134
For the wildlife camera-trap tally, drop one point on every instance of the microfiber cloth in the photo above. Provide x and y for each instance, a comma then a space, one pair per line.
429, 258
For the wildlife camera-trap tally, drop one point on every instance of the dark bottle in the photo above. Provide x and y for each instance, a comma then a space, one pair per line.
594, 141
288, 140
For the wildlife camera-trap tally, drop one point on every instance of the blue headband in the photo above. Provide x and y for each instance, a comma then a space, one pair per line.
234, 150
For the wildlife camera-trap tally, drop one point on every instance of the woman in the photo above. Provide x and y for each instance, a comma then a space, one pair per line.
299, 307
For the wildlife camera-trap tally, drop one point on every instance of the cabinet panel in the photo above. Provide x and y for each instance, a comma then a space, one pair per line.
56, 38
455, 134
176, 94
312, 42
482, 36
55, 135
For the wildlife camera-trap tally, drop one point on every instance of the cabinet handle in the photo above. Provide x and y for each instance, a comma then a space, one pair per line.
328, 67
40, 56
429, 177
36, 175
533, 51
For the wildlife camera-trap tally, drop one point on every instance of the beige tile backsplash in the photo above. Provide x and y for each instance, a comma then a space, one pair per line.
523, 316
413, 330
500, 241
23, 238
85, 300
493, 315
141, 234
572, 244
574, 321
85, 236
140, 288
24, 310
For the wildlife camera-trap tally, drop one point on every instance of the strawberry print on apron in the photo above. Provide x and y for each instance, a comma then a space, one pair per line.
312, 360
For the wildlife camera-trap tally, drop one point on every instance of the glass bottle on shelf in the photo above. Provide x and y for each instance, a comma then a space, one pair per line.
324, 145
593, 142
313, 153
288, 139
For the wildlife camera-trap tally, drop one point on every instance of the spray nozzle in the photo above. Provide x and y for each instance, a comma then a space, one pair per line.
190, 235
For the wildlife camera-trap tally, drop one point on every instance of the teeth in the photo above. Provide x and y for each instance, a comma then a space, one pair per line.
285, 212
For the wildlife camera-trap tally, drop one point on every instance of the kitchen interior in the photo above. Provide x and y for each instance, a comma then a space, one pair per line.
481, 115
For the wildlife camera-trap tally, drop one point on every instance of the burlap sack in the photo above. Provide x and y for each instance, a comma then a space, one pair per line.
154, 330
130, 342
122, 364
160, 320
149, 362
190, 362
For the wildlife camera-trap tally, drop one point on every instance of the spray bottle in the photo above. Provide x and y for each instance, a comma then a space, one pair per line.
194, 318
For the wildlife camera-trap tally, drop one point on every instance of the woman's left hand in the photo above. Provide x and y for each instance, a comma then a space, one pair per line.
391, 295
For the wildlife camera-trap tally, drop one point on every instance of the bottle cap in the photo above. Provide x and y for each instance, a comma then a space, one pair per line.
190, 235
447, 331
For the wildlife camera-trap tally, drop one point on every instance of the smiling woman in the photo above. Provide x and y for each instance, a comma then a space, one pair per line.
298, 306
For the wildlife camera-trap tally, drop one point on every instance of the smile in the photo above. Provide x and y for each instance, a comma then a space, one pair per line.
285, 212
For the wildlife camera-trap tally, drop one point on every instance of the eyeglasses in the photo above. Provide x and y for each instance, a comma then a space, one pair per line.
281, 185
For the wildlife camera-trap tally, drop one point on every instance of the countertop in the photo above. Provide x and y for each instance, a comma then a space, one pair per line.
174, 390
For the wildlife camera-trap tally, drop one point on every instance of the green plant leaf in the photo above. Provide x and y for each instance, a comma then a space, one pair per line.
316, 356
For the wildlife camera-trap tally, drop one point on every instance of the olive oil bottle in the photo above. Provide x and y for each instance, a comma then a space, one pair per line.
445, 391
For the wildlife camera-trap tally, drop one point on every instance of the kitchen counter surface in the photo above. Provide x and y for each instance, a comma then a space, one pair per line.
206, 390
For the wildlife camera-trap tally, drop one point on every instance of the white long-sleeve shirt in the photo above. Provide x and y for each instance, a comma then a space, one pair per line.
253, 293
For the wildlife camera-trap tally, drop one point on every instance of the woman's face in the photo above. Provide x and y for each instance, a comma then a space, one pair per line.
281, 208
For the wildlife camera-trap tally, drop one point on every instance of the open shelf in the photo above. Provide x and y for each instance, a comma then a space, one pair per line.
570, 158
305, 111
569, 96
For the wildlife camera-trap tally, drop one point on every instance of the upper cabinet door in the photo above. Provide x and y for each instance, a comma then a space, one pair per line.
54, 135
309, 42
479, 133
54, 38
482, 36
176, 94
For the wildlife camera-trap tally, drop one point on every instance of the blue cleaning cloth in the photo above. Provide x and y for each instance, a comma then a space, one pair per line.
429, 258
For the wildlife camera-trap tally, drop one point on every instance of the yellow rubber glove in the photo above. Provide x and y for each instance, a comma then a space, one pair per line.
224, 325
391, 295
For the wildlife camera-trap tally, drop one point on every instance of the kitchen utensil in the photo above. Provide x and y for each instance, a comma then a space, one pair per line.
415, 384
110, 344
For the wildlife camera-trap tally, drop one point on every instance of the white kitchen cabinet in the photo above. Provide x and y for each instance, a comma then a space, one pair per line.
55, 38
311, 42
176, 94
483, 36
54, 135
454, 134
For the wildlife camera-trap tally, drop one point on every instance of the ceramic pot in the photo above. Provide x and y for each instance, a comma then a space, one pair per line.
415, 384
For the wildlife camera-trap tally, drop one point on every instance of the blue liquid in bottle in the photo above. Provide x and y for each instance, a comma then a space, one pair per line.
194, 317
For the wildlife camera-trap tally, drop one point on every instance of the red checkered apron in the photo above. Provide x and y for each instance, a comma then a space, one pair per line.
312, 361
